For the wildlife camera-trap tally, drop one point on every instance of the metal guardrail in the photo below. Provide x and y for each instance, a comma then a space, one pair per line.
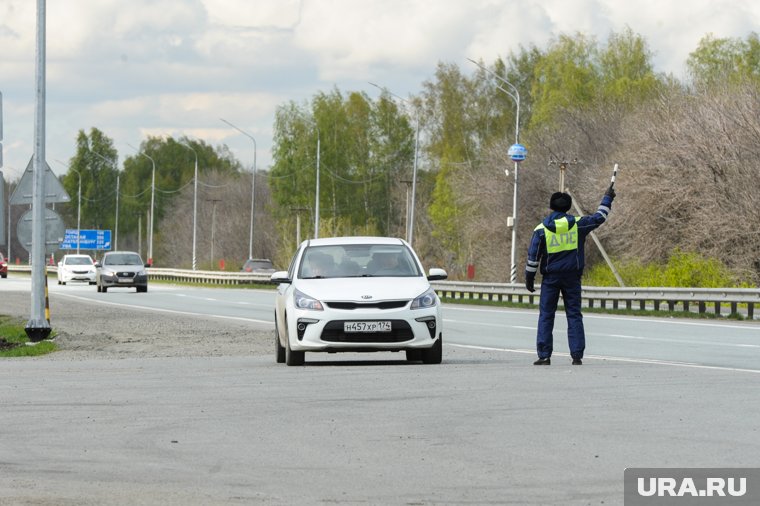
643, 298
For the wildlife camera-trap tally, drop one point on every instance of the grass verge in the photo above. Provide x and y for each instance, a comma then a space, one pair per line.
15, 343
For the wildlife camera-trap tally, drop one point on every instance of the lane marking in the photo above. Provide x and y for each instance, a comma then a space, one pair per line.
171, 311
615, 359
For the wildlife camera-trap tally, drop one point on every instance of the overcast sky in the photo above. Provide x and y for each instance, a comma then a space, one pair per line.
134, 68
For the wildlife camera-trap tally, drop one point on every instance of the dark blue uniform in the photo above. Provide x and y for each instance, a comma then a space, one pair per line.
556, 249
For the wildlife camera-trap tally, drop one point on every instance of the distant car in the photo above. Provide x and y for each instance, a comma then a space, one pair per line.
76, 268
357, 294
121, 269
258, 266
3, 267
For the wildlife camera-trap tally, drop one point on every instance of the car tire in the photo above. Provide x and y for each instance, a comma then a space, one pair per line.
434, 354
99, 287
62, 283
294, 357
279, 351
93, 283
142, 289
413, 355
104, 289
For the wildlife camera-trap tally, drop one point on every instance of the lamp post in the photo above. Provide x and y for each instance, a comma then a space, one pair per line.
514, 94
79, 204
152, 204
316, 194
410, 227
116, 224
195, 198
253, 184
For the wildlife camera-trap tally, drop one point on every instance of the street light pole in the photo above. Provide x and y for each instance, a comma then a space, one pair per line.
514, 94
116, 224
316, 196
79, 205
152, 205
253, 184
410, 227
195, 199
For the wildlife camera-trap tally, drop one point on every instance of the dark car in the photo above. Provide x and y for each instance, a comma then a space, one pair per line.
3, 267
121, 269
258, 266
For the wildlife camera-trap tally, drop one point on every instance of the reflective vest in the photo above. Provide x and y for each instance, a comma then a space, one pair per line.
564, 239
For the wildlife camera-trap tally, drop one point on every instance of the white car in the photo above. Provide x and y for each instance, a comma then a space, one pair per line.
357, 294
76, 268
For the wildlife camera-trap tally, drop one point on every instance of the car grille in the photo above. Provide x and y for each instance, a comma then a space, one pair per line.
125, 274
80, 272
387, 304
400, 332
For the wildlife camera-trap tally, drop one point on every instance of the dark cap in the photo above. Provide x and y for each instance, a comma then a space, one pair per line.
560, 202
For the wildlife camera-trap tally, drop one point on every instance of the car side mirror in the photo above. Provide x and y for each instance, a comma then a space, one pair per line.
437, 275
280, 277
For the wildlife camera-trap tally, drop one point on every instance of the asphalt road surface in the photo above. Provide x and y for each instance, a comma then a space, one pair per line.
484, 427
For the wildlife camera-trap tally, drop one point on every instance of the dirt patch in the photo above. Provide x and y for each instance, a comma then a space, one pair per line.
5, 345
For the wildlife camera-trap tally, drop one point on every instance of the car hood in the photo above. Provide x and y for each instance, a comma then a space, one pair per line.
363, 289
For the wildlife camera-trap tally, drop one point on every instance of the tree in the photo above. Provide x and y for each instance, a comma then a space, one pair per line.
721, 60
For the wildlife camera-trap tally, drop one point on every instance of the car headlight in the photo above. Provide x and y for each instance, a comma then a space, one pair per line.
427, 299
303, 301
141, 273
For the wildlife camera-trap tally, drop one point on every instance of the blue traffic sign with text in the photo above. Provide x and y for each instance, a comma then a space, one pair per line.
88, 239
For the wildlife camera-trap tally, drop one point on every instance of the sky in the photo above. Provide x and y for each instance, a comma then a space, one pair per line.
139, 68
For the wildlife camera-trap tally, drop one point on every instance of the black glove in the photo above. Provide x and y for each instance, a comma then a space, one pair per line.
610, 192
529, 280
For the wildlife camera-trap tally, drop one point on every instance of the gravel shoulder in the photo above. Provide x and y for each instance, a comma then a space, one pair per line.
95, 331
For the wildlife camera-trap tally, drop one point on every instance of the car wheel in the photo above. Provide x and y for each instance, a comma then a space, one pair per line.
142, 289
413, 355
104, 289
279, 351
99, 288
62, 283
434, 354
59, 281
93, 283
293, 357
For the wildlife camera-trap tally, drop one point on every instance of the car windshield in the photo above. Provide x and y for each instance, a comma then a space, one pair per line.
122, 259
78, 261
357, 260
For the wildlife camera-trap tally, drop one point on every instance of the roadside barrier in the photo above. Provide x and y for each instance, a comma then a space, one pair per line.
643, 298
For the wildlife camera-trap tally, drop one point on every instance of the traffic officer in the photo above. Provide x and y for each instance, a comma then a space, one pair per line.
556, 249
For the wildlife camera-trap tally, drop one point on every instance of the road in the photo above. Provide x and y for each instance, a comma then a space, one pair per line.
695, 343
485, 427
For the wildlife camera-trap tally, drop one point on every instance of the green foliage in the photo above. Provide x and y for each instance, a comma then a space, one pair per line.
721, 60
683, 269
565, 77
365, 149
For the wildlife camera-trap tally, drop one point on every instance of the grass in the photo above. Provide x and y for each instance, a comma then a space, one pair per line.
15, 343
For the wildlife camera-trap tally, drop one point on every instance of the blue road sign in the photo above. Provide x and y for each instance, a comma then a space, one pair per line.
88, 239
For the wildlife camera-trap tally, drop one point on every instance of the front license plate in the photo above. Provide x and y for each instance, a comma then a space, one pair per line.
125, 280
380, 326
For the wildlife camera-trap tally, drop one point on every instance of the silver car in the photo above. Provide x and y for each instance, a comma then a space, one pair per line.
121, 269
